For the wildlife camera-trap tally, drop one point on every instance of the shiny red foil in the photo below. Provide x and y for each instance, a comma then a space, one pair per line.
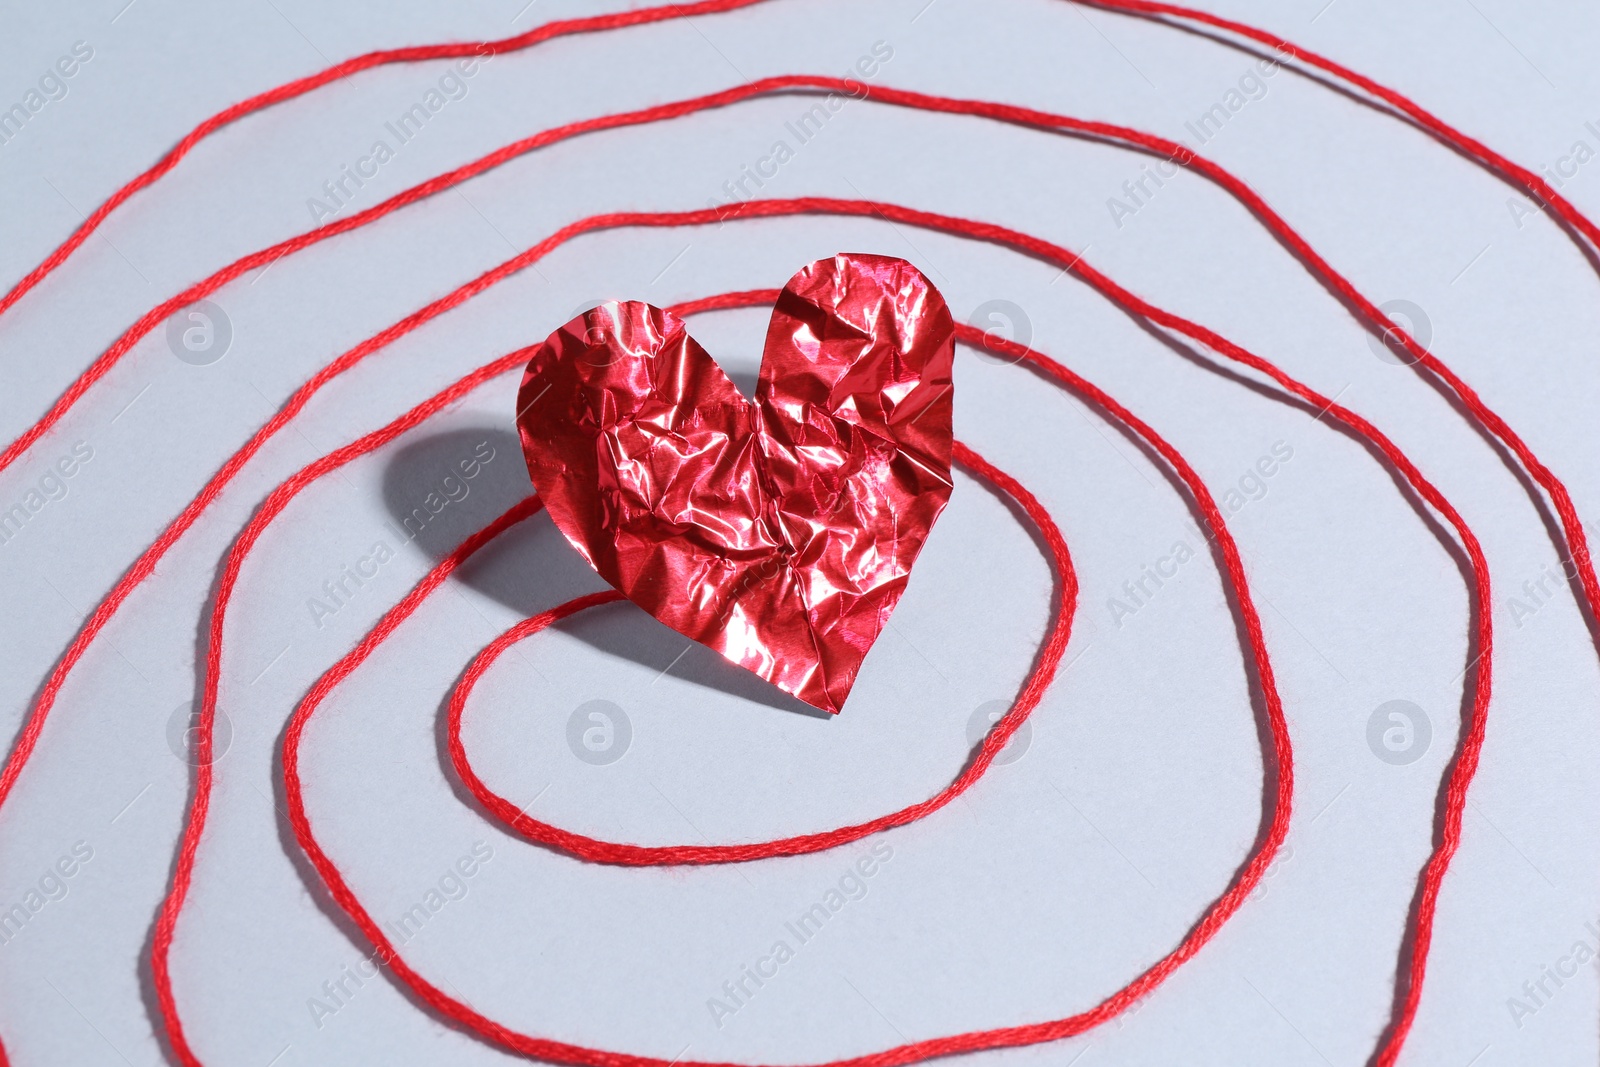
779, 532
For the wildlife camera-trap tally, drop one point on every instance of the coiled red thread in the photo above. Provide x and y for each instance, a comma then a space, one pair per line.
28, 738
1572, 527
1573, 530
773, 208
187, 854
1465, 764
562, 1052
534, 1046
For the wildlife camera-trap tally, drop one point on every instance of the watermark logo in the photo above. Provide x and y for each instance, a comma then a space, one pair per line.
1250, 86
1558, 173
798, 932
51, 486
183, 733
984, 716
1001, 321
50, 887
1252, 485
1541, 989
1398, 732
1139, 592
351, 579
341, 190
1536, 594
1390, 348
599, 733
451, 489
454, 884
1279, 861
595, 329
802, 129
200, 334
52, 85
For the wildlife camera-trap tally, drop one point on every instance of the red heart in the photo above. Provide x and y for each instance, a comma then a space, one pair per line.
778, 532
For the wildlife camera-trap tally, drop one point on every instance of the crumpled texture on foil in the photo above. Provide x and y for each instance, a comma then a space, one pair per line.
779, 532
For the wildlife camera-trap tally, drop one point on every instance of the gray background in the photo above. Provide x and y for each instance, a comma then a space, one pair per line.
1061, 875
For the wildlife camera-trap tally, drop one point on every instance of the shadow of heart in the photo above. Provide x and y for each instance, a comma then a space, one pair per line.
442, 487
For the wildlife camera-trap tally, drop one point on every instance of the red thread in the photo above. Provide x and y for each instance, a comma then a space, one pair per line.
1572, 527
301, 86
758, 209
769, 208
1462, 768
562, 1052
487, 1028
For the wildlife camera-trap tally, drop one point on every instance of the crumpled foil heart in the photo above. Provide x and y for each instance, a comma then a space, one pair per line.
779, 532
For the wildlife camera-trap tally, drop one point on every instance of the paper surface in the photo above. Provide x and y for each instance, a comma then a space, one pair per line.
1138, 793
